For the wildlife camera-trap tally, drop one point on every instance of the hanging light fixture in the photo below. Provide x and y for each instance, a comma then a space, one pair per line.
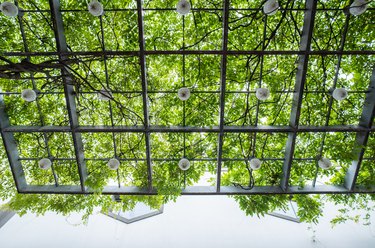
95, 8
262, 93
184, 164
45, 163
113, 164
9, 9
358, 7
28, 95
340, 94
105, 95
184, 94
271, 7
183, 7
255, 164
324, 163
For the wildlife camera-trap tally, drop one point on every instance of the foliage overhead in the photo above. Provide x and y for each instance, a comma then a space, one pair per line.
120, 75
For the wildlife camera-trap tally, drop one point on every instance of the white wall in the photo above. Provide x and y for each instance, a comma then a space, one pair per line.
193, 221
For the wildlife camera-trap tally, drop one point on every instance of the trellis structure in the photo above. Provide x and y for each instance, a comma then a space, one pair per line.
63, 53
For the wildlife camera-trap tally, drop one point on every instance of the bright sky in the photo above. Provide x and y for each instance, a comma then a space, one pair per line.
191, 222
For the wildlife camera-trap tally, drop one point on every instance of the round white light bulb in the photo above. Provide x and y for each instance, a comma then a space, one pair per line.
324, 163
95, 8
255, 164
184, 164
340, 94
358, 7
183, 94
104, 95
262, 93
9, 9
113, 164
271, 7
28, 95
44, 163
183, 7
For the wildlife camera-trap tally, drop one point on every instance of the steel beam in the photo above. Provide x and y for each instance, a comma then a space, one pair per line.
192, 9
37, 129
5, 216
365, 121
305, 46
223, 78
142, 61
69, 91
10, 145
193, 91
187, 52
334, 128
202, 190
189, 129
176, 159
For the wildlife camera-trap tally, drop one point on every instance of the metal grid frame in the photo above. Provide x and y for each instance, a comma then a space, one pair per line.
362, 130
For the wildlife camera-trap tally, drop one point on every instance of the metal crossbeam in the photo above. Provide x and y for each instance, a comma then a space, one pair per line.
188, 52
222, 93
305, 46
177, 159
192, 9
10, 145
189, 129
367, 118
203, 190
195, 92
142, 61
5, 216
69, 91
